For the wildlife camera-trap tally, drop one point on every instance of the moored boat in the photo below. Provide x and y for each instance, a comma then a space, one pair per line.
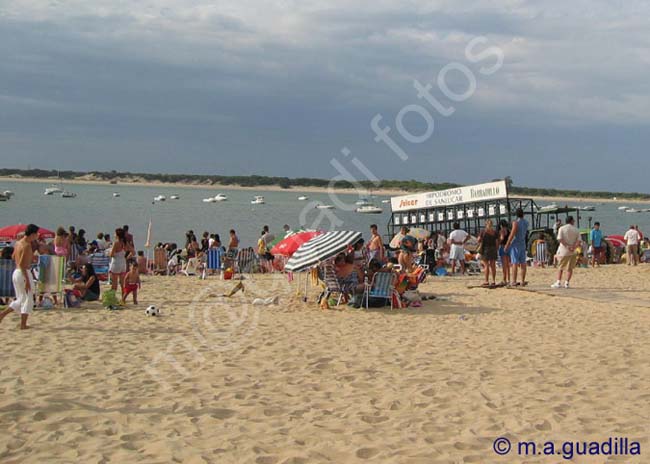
369, 209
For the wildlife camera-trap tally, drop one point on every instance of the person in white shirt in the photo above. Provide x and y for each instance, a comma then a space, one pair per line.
101, 243
569, 237
632, 239
457, 239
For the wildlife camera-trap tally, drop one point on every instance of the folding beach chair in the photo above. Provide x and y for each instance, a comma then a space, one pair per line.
382, 286
214, 261
541, 255
246, 261
101, 264
332, 283
191, 267
7, 267
74, 255
51, 274
159, 261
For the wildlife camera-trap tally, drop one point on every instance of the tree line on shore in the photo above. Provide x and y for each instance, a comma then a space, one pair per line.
298, 182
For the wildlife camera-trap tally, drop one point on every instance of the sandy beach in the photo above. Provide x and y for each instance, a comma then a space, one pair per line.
217, 380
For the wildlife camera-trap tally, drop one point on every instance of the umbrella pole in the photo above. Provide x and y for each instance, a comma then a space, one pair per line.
304, 298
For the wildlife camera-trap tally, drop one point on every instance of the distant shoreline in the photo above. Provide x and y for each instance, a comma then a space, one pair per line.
276, 188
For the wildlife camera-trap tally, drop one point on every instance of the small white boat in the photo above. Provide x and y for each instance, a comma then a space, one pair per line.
623, 208
588, 208
324, 206
385, 201
160, 198
220, 197
175, 197
551, 207
258, 200
632, 210
116, 194
362, 202
52, 190
209, 200
369, 209
8, 193
303, 198
67, 194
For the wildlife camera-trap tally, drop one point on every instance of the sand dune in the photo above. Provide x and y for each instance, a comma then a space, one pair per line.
217, 380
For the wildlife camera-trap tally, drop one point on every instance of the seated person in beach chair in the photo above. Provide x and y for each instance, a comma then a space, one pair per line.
131, 283
142, 263
346, 273
101, 263
337, 279
541, 255
374, 293
88, 283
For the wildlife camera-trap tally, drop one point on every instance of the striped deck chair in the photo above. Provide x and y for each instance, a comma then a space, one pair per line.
381, 286
7, 267
214, 261
246, 261
74, 254
100, 262
51, 274
159, 261
541, 256
332, 283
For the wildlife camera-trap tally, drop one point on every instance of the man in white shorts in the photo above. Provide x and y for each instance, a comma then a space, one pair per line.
22, 277
457, 239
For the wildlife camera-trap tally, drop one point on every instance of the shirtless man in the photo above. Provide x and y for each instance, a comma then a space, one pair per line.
22, 277
376, 245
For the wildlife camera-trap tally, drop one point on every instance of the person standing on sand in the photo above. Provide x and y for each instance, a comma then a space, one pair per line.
632, 239
516, 248
376, 245
597, 248
569, 238
22, 277
488, 244
457, 239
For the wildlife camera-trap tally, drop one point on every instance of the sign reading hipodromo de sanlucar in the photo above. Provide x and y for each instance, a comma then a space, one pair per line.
455, 196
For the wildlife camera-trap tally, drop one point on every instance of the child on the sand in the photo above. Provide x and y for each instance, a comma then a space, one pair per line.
131, 283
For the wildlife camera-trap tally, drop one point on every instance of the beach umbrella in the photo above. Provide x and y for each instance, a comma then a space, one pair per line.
396, 240
10, 233
419, 233
616, 240
321, 248
288, 245
279, 238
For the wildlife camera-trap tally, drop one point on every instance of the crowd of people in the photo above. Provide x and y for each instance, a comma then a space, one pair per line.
410, 260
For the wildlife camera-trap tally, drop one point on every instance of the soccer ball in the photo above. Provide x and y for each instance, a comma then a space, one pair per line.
152, 311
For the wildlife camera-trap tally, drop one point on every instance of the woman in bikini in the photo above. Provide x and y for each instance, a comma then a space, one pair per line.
61, 243
117, 268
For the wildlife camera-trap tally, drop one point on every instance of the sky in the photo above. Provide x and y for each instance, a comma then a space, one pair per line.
561, 95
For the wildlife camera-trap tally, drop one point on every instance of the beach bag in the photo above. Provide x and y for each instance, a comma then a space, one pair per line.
71, 299
47, 302
228, 273
412, 296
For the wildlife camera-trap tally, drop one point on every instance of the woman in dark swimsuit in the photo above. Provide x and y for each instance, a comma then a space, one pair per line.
88, 284
488, 243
